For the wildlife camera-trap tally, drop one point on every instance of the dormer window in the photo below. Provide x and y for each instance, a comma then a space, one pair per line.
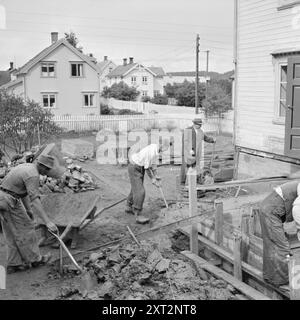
48, 69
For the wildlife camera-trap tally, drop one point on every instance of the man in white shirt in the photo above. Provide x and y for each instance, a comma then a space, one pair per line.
141, 162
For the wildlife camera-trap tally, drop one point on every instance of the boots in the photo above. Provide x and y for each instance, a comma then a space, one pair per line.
139, 218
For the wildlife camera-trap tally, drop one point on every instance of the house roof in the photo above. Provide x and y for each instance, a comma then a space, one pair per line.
103, 64
182, 74
122, 70
158, 71
4, 77
44, 53
11, 83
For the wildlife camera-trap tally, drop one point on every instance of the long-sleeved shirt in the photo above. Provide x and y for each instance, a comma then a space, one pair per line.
147, 157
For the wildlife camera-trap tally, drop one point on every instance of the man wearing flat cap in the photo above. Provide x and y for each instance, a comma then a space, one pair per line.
19, 197
192, 146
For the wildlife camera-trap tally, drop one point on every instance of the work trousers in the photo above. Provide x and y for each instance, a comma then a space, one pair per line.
19, 232
137, 193
275, 244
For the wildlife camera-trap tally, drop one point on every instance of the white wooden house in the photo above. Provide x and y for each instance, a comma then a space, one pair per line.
267, 87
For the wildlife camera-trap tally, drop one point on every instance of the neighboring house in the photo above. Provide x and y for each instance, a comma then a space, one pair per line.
7, 75
105, 67
148, 80
61, 79
180, 77
267, 87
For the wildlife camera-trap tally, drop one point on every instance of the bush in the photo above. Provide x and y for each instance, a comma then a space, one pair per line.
146, 99
21, 120
160, 99
120, 91
127, 111
104, 109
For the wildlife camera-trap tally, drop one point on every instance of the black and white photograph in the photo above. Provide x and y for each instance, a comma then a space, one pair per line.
149, 151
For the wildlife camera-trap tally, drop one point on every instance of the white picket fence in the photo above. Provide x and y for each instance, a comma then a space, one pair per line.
147, 122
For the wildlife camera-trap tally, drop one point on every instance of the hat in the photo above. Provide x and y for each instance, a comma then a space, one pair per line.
198, 121
46, 161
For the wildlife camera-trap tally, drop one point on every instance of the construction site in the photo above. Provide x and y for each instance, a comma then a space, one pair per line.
203, 241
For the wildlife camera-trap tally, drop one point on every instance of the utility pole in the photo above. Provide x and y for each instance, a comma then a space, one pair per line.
207, 68
197, 75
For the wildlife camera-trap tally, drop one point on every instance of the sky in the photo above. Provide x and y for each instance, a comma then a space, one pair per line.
158, 33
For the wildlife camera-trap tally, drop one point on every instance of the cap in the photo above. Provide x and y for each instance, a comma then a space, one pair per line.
46, 161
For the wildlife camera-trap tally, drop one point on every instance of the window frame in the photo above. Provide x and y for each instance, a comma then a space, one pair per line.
144, 95
93, 93
143, 80
77, 63
49, 94
133, 82
280, 62
48, 63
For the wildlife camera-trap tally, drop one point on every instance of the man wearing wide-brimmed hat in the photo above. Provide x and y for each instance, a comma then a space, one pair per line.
192, 145
19, 197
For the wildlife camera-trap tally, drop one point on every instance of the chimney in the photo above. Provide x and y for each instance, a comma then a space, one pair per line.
124, 61
130, 60
105, 58
11, 66
54, 37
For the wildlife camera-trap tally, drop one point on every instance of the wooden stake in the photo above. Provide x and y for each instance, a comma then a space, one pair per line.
192, 180
237, 265
219, 221
245, 238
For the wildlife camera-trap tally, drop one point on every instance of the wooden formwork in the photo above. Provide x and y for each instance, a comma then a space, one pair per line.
232, 239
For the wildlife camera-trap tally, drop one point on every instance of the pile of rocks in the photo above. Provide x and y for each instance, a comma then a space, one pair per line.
129, 272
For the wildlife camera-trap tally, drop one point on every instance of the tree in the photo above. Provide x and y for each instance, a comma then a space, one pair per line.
160, 99
218, 100
20, 120
120, 91
73, 40
185, 93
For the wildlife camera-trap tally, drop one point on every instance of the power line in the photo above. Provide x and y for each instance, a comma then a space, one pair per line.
126, 20
109, 28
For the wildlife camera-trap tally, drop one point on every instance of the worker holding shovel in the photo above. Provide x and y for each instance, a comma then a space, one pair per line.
19, 194
141, 162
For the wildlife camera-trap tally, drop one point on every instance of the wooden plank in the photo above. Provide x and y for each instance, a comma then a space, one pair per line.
219, 222
237, 265
242, 287
192, 182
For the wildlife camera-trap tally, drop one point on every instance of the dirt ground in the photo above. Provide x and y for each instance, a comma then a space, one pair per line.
126, 271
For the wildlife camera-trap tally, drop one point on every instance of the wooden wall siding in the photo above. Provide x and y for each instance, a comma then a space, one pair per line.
262, 29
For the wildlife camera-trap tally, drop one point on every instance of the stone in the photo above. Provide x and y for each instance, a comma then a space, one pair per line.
163, 265
106, 290
95, 256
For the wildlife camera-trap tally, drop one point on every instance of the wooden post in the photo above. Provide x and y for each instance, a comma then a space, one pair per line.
245, 238
294, 276
237, 266
219, 219
192, 180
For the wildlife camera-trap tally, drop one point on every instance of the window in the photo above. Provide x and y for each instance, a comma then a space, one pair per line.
48, 70
156, 93
133, 80
76, 69
144, 80
49, 100
282, 90
88, 99
110, 69
145, 93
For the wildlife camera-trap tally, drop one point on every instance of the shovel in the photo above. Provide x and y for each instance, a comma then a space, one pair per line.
161, 192
63, 246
